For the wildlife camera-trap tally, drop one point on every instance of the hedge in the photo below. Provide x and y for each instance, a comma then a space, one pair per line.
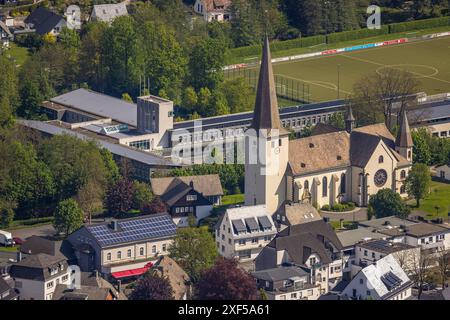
356, 34
419, 24
255, 50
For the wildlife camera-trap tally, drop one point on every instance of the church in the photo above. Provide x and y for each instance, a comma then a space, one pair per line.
328, 167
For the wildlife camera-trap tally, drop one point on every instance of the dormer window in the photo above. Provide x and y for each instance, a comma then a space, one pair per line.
303, 165
339, 157
311, 145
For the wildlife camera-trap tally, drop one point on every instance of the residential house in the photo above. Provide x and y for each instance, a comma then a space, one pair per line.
242, 232
92, 287
36, 276
213, 10
295, 213
443, 172
37, 244
178, 278
5, 35
349, 239
368, 252
123, 248
44, 21
108, 12
313, 246
286, 283
191, 195
382, 280
7, 291
428, 236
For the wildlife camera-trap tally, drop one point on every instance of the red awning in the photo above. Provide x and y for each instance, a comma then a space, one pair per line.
132, 272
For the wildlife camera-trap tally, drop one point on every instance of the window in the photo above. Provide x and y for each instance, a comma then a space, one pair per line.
306, 185
223, 248
229, 241
129, 253
343, 177
402, 189
141, 251
164, 247
108, 257
365, 253
430, 239
242, 242
153, 249
312, 261
65, 278
50, 285
324, 186
368, 293
403, 174
422, 240
191, 197
119, 255
223, 237
254, 240
380, 159
361, 281
293, 295
409, 154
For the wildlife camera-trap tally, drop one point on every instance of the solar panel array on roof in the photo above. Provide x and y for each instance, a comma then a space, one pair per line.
390, 280
252, 225
238, 225
265, 222
134, 230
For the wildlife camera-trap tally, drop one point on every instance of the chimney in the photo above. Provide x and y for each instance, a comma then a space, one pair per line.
119, 286
19, 256
114, 225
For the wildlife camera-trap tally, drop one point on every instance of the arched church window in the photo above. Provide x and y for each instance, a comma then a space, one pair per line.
306, 185
324, 186
409, 154
380, 159
403, 174
343, 177
402, 189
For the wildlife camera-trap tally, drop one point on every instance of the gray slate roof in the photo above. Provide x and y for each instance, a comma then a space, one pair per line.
99, 104
279, 273
43, 20
208, 184
37, 266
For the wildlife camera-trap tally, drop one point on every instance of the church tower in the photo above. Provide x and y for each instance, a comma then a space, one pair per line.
266, 144
349, 120
403, 142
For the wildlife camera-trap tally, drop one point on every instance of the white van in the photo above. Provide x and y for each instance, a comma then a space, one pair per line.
6, 238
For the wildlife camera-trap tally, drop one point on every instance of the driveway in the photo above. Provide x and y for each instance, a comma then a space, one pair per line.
42, 230
357, 215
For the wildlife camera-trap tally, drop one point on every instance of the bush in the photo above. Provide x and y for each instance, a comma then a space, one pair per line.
419, 24
326, 207
338, 207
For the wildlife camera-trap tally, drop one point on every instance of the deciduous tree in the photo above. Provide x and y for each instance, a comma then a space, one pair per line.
68, 217
152, 287
418, 182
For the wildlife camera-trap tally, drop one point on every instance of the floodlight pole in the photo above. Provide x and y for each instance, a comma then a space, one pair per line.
339, 80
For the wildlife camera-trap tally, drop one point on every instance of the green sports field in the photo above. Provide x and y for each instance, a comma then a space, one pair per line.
316, 79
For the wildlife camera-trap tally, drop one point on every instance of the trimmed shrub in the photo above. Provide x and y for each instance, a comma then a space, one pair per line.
326, 207
356, 34
419, 24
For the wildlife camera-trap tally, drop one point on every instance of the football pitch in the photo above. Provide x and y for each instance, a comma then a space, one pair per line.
319, 78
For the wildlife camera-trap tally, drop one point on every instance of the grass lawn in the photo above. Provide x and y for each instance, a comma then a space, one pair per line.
233, 199
20, 54
8, 249
316, 79
439, 196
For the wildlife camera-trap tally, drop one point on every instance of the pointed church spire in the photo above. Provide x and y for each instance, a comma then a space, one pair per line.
404, 139
349, 120
266, 114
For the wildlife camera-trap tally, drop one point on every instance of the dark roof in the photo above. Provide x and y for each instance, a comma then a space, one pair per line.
43, 20
153, 226
37, 267
62, 292
429, 111
266, 115
37, 244
279, 273
424, 229
362, 147
178, 190
322, 128
384, 246
301, 240
404, 138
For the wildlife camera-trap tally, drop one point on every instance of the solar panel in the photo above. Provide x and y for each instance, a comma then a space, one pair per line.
252, 225
390, 280
134, 230
265, 222
238, 225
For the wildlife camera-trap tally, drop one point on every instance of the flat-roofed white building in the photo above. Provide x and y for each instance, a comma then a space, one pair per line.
242, 232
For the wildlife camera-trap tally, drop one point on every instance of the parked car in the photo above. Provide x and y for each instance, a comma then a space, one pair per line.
18, 241
6, 238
